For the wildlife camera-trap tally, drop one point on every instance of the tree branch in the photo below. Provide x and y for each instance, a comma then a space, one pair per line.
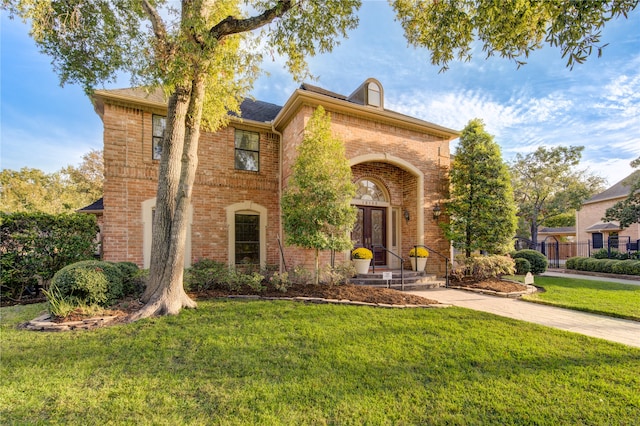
158, 25
231, 25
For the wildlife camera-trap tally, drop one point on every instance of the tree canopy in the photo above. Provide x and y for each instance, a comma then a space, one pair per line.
510, 29
627, 211
482, 211
316, 206
547, 185
71, 188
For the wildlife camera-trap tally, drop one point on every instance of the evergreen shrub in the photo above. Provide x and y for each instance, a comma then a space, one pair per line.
537, 260
522, 266
89, 282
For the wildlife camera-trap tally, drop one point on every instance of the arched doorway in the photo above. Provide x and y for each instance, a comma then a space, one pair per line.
370, 229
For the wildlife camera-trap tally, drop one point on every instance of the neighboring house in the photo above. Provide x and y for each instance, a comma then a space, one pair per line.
399, 163
558, 244
599, 234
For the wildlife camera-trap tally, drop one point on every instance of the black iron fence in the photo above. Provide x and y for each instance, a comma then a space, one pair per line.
557, 252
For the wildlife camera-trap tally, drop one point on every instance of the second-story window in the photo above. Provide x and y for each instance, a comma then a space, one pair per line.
247, 150
159, 124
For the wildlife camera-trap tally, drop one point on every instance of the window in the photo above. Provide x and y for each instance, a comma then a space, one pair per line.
247, 239
373, 95
247, 150
597, 240
367, 190
159, 124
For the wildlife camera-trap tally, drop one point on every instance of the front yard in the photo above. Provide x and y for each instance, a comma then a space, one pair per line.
600, 297
259, 362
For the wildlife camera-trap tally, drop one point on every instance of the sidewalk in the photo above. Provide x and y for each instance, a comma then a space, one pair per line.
591, 277
603, 327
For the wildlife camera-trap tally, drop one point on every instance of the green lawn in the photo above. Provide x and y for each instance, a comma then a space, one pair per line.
601, 297
257, 362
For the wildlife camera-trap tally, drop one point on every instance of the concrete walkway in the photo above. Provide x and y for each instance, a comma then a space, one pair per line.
603, 327
590, 277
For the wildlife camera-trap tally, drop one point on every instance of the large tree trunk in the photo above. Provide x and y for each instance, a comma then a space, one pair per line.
534, 232
165, 293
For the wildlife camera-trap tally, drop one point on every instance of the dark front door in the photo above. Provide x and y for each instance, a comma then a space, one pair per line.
370, 230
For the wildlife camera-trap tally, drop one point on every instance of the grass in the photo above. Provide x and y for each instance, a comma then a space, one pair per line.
257, 362
600, 297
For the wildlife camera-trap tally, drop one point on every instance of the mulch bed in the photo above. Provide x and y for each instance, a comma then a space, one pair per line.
354, 293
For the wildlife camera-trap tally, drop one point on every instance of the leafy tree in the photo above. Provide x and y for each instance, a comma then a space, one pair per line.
88, 177
316, 206
32, 190
627, 211
482, 211
510, 29
206, 54
546, 185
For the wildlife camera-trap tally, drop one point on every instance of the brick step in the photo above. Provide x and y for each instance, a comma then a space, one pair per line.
412, 280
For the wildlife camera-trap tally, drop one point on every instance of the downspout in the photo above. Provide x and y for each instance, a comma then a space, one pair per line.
280, 149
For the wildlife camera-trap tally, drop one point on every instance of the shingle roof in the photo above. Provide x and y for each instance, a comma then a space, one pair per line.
250, 109
320, 90
96, 206
619, 190
560, 230
258, 110
602, 226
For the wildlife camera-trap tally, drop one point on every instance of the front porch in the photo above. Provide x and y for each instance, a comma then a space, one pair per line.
413, 280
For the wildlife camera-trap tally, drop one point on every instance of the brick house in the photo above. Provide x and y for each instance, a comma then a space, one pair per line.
599, 234
399, 163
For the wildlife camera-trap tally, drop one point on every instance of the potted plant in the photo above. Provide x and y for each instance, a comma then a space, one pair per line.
362, 259
418, 257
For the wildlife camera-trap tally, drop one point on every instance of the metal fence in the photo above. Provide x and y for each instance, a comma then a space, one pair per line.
557, 253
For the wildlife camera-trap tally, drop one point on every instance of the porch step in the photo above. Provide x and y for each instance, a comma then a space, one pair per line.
412, 280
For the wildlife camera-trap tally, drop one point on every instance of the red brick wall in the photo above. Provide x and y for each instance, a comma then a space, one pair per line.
429, 153
131, 178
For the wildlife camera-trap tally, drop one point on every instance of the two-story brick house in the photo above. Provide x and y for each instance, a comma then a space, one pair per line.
591, 229
399, 163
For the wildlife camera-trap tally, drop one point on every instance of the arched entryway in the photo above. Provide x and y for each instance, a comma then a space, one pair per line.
390, 203
370, 230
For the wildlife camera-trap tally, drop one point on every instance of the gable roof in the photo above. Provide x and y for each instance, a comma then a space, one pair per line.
564, 230
619, 190
309, 94
250, 109
95, 207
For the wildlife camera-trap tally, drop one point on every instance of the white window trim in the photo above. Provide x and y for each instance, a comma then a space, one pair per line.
246, 207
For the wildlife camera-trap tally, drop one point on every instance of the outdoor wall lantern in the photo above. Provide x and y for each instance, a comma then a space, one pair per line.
407, 216
436, 212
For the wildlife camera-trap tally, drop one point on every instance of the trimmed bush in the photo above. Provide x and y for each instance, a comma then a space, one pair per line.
522, 266
571, 263
536, 259
207, 274
604, 254
483, 267
89, 282
132, 282
627, 267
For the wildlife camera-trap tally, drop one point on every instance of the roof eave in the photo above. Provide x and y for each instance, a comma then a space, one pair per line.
302, 97
99, 96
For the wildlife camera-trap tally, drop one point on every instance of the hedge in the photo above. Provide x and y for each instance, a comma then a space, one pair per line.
611, 266
34, 246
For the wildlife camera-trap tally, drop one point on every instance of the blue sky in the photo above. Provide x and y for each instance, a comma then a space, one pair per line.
596, 105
